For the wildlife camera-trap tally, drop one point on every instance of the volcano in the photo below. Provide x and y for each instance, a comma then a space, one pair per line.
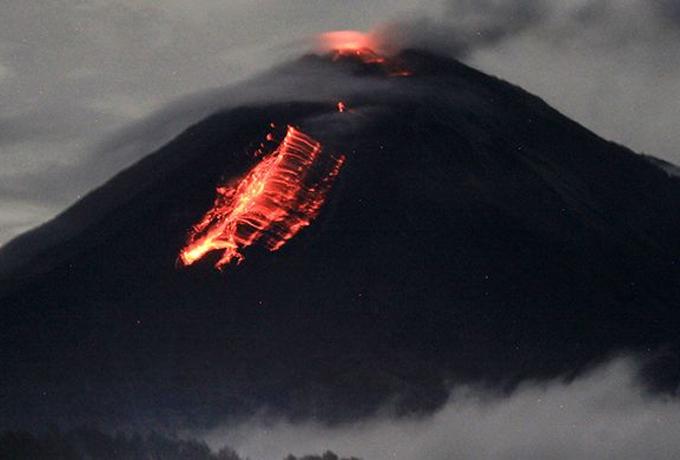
472, 234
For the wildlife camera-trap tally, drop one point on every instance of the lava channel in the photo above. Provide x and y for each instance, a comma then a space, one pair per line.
270, 204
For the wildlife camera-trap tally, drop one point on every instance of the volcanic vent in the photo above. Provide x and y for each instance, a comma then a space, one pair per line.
350, 44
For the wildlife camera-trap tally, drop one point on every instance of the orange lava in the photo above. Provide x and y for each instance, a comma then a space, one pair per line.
362, 46
278, 197
347, 41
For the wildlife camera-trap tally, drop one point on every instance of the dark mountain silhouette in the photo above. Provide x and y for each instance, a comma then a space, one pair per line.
84, 444
88, 443
473, 235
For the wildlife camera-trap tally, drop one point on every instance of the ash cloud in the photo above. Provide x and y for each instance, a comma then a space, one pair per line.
603, 414
610, 65
463, 27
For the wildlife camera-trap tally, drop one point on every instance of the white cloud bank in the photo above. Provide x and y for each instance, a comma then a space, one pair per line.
603, 415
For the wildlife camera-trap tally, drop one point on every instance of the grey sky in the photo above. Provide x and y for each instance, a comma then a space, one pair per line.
73, 73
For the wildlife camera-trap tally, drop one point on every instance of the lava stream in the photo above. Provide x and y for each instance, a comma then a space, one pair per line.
278, 197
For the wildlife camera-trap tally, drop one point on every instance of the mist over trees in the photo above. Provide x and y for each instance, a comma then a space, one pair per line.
328, 455
92, 444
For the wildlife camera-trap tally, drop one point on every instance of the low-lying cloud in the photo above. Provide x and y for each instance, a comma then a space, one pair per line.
605, 414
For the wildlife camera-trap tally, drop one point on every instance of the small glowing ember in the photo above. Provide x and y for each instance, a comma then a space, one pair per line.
341, 106
279, 196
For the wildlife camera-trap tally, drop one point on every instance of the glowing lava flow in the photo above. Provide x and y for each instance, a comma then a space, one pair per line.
279, 196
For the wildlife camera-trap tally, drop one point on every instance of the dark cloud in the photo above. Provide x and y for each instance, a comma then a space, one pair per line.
669, 10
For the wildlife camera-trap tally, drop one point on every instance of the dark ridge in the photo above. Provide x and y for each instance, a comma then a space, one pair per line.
85, 443
88, 443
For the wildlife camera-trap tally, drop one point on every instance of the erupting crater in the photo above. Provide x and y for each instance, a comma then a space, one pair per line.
270, 204
364, 47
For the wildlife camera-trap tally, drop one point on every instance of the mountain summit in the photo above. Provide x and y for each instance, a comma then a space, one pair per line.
473, 234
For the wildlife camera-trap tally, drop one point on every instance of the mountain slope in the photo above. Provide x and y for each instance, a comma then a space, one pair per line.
474, 234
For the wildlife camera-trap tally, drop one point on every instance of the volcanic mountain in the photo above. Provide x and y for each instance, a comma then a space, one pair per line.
471, 234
